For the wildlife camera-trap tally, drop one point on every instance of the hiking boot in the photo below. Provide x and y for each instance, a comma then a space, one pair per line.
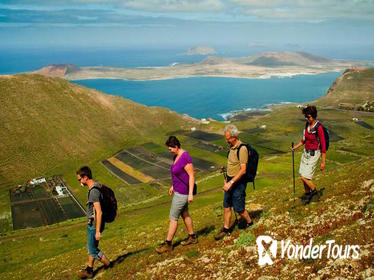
308, 198
222, 234
85, 273
305, 196
164, 248
248, 225
192, 239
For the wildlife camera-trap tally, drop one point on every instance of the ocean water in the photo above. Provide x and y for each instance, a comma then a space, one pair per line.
198, 97
206, 97
19, 60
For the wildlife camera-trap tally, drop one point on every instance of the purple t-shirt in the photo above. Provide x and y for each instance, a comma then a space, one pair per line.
179, 176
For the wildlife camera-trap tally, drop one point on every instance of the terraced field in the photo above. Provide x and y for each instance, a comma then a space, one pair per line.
150, 162
37, 205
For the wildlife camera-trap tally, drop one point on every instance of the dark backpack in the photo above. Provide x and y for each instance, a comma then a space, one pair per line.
108, 203
252, 164
325, 133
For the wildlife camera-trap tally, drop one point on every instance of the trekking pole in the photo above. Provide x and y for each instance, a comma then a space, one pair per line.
293, 172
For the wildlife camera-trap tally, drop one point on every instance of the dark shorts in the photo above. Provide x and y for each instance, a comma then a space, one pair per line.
235, 197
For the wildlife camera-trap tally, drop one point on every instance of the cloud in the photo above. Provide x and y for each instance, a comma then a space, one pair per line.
179, 6
175, 5
63, 18
117, 11
312, 11
256, 44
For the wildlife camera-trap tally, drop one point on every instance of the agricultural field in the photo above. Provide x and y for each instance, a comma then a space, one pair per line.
151, 162
38, 204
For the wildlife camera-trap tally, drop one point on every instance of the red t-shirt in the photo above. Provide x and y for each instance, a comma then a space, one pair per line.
310, 139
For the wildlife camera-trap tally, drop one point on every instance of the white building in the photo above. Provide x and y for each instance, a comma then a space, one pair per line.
36, 181
59, 190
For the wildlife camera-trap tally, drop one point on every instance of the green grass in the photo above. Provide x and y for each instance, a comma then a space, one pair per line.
246, 239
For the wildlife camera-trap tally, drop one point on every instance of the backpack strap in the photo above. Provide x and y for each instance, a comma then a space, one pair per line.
313, 130
95, 187
249, 151
318, 124
237, 152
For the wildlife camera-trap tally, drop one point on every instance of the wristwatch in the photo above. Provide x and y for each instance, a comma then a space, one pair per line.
232, 182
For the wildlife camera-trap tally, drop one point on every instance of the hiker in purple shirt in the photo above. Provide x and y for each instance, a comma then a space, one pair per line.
183, 180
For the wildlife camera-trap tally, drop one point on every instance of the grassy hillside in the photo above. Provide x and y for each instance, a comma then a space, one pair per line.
46, 122
354, 87
344, 212
50, 126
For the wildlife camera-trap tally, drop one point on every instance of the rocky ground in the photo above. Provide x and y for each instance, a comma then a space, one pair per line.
344, 213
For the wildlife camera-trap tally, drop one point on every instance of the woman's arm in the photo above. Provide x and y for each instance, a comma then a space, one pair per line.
191, 181
322, 143
298, 145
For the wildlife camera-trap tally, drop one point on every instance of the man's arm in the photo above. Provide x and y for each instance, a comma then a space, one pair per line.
99, 215
243, 168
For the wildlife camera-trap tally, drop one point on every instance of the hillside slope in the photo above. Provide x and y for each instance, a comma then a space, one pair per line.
49, 122
276, 59
353, 88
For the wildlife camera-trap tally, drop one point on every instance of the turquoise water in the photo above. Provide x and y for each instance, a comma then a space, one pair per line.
206, 97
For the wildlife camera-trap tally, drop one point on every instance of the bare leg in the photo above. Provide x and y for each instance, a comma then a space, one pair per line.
226, 217
172, 229
306, 188
91, 261
309, 183
188, 222
245, 216
104, 260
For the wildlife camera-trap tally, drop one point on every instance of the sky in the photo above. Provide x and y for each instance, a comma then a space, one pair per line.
329, 26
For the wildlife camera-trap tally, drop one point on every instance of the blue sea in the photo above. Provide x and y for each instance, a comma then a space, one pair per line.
217, 98
19, 60
198, 97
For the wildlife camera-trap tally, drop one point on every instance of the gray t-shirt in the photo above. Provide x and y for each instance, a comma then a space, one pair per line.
93, 196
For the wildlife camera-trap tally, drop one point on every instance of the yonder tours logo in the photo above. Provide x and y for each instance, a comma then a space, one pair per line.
267, 248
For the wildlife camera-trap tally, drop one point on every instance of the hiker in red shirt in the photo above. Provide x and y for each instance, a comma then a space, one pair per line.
315, 145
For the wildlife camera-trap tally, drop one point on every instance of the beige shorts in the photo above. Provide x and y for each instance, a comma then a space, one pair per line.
309, 164
179, 205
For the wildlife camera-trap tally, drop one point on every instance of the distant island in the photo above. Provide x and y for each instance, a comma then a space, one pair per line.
260, 66
201, 50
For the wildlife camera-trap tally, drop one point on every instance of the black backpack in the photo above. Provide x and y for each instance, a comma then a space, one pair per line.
108, 203
325, 133
252, 164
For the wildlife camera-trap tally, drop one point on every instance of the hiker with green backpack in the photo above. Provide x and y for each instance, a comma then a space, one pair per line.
316, 141
237, 178
101, 208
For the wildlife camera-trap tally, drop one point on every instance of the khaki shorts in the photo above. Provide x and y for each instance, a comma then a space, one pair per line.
179, 205
308, 164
